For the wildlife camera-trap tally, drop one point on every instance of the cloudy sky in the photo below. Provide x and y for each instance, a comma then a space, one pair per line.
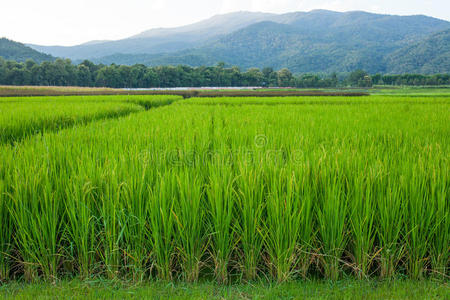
70, 22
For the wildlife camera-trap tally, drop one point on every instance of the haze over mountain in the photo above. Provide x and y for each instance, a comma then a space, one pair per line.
316, 41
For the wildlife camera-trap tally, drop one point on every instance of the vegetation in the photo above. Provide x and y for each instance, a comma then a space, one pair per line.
11, 50
323, 42
319, 41
11, 91
309, 188
429, 56
86, 74
346, 289
20, 118
316, 100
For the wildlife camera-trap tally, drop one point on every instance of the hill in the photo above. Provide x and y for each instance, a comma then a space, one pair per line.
161, 40
432, 55
11, 50
316, 41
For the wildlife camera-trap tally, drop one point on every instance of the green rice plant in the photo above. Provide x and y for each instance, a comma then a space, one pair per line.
440, 237
20, 120
6, 233
390, 219
439, 240
81, 225
23, 117
220, 195
37, 213
283, 223
332, 214
149, 102
109, 216
249, 226
162, 223
357, 185
137, 241
419, 215
309, 100
307, 197
190, 218
361, 219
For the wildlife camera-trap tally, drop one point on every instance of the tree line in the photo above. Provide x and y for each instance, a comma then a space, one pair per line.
62, 72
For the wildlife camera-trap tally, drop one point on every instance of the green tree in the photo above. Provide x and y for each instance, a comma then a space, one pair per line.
253, 77
285, 78
359, 78
84, 77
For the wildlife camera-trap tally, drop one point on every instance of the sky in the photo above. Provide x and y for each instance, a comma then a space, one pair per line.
72, 22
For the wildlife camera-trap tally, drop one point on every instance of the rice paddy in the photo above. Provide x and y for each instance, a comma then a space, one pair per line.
157, 187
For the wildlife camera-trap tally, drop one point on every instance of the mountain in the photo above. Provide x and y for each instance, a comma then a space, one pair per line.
160, 40
11, 50
320, 41
316, 41
432, 55
217, 25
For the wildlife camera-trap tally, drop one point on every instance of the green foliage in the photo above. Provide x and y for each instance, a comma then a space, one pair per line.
359, 78
86, 74
428, 56
21, 119
310, 187
314, 289
319, 41
11, 50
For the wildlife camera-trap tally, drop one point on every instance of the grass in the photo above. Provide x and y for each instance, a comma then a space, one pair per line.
231, 193
345, 289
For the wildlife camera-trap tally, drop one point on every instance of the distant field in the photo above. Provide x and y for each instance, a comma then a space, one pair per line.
225, 189
8, 91
204, 92
413, 91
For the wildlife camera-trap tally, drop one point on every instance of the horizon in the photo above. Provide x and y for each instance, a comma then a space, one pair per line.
62, 26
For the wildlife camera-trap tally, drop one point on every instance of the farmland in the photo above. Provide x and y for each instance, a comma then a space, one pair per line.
229, 190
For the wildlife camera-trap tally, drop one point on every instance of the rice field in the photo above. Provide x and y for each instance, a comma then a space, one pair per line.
193, 189
22, 117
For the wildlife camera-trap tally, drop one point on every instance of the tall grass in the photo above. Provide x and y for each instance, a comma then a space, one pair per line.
235, 192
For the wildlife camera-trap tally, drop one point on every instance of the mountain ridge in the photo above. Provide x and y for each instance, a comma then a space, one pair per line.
315, 41
11, 50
